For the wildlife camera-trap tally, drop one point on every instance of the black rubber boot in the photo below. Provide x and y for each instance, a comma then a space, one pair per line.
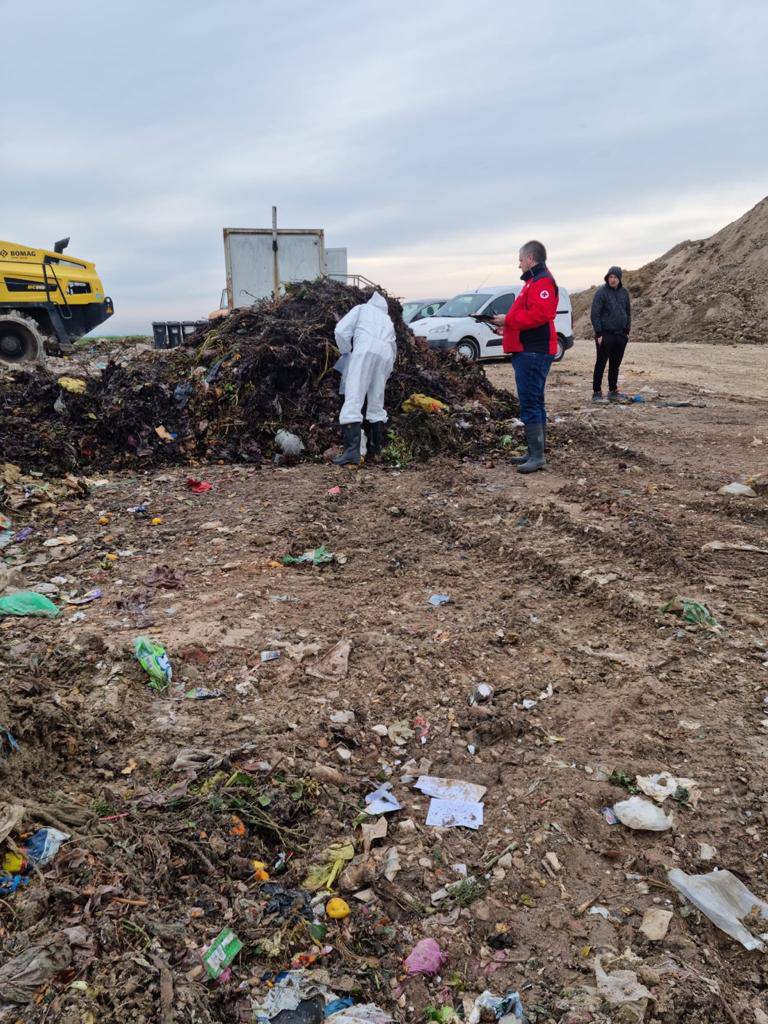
351, 455
377, 434
535, 435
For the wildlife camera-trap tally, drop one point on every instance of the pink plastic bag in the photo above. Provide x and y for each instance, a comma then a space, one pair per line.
425, 958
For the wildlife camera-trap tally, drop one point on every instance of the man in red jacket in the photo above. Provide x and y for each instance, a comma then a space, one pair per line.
529, 336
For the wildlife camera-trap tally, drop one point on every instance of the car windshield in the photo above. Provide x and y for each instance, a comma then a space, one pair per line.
409, 310
463, 305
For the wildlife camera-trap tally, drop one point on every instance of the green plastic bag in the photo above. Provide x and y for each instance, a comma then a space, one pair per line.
154, 659
691, 611
317, 556
27, 602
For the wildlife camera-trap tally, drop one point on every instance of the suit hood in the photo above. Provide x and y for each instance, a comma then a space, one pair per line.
613, 270
379, 302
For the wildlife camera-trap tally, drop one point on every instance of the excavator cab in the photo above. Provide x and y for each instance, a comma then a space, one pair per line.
47, 301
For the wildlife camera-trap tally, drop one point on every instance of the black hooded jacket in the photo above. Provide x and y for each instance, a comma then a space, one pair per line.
611, 309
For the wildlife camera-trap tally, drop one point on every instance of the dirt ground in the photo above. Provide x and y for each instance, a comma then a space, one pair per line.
556, 584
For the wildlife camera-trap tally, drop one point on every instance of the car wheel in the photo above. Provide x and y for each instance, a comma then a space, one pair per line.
468, 349
560, 350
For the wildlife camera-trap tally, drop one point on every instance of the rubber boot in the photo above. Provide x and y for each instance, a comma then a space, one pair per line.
535, 434
351, 455
377, 436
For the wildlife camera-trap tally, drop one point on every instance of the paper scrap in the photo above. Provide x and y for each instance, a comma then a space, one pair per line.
455, 813
450, 789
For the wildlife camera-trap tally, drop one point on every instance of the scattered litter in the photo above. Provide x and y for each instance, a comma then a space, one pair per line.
27, 602
382, 801
288, 443
506, 1008
334, 492
721, 545
660, 787
621, 988
707, 852
334, 664
424, 403
436, 600
400, 732
426, 958
691, 611
198, 486
58, 542
332, 862
454, 814
74, 385
92, 595
221, 953
337, 908
200, 693
372, 830
155, 661
22, 977
599, 911
639, 813
739, 490
655, 923
8, 743
450, 789
727, 902
481, 693
317, 556
269, 656
11, 816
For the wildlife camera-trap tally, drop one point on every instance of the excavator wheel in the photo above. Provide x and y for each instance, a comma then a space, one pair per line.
21, 341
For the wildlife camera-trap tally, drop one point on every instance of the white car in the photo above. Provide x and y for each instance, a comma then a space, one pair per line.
454, 327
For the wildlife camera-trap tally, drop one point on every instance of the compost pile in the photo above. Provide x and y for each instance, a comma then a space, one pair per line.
227, 393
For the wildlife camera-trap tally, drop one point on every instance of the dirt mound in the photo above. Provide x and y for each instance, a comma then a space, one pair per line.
713, 290
265, 368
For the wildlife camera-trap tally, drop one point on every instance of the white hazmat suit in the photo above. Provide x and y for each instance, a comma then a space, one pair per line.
368, 333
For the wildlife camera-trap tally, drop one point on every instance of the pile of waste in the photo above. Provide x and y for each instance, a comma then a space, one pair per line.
258, 385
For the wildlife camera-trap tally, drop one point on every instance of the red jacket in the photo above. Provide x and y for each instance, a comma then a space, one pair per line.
530, 323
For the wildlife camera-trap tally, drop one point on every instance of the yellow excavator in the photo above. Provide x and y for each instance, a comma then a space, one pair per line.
47, 301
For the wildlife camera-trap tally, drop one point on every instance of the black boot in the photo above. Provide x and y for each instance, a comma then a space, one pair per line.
535, 435
376, 438
351, 455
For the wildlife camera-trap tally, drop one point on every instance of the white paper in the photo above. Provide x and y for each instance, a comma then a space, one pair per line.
455, 813
381, 801
450, 789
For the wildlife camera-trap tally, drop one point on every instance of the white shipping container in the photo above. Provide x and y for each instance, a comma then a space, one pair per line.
250, 260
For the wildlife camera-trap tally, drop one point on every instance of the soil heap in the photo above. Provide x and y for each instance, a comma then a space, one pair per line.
225, 395
713, 290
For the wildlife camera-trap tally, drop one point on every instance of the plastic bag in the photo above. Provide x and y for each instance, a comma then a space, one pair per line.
426, 957
424, 403
639, 813
27, 602
726, 901
317, 556
691, 611
154, 660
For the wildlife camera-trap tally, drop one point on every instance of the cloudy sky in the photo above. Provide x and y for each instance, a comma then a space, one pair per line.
429, 138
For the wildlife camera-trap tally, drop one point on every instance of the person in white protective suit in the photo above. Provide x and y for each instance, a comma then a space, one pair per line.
367, 333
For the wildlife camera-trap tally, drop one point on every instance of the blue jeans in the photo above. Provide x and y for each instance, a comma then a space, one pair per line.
531, 369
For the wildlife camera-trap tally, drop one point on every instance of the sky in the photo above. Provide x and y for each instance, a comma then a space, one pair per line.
431, 139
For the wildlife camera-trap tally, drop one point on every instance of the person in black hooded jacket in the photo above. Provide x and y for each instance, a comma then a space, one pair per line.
611, 319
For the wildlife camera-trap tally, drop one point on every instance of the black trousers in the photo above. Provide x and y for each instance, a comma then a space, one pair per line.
610, 351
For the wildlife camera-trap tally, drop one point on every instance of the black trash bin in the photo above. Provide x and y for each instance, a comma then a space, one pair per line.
160, 334
174, 333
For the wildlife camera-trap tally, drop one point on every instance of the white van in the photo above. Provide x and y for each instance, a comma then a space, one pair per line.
454, 328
